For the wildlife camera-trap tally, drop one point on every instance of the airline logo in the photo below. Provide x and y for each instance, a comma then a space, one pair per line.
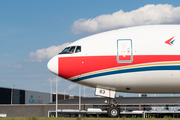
170, 41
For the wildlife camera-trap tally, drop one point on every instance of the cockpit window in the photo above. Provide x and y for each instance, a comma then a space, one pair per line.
71, 49
65, 50
78, 49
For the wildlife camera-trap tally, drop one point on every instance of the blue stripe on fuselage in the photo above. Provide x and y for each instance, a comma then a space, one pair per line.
152, 68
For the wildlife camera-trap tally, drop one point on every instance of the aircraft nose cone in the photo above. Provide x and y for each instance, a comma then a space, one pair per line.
53, 65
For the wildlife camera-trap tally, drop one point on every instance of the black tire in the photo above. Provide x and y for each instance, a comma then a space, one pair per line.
113, 112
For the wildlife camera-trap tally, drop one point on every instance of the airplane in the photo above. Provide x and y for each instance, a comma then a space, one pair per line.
140, 59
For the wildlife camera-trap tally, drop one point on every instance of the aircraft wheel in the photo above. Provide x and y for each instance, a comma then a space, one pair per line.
113, 112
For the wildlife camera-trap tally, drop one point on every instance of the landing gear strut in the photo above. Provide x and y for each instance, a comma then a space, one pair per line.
113, 110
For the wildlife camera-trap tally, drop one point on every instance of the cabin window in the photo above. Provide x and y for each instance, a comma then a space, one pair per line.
71, 49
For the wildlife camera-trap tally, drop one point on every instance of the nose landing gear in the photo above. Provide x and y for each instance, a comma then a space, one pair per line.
113, 111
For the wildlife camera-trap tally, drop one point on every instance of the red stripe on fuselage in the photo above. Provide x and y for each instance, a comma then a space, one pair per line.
73, 66
124, 58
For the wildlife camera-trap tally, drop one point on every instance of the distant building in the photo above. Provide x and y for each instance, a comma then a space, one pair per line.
28, 97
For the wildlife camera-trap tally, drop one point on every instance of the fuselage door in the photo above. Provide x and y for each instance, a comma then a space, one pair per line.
124, 51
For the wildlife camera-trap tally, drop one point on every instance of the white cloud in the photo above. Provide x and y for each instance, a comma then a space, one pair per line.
46, 53
15, 66
149, 14
72, 86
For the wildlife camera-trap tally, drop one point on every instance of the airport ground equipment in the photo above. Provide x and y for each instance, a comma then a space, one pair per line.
95, 112
90, 112
3, 115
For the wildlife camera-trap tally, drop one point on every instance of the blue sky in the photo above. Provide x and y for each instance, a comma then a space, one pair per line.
31, 32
